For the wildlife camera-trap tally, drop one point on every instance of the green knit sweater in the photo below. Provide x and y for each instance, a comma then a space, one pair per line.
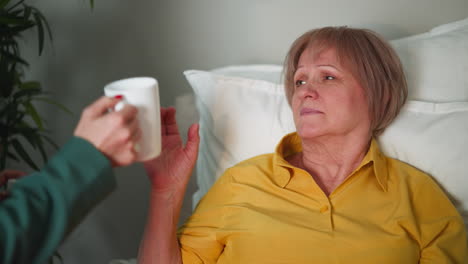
43, 206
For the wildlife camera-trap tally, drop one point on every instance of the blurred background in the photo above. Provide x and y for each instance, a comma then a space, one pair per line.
161, 39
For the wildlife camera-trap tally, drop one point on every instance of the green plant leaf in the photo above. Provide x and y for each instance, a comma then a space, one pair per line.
10, 49
3, 110
15, 5
12, 115
28, 135
3, 3
34, 138
91, 3
15, 13
26, 93
27, 131
27, 12
8, 43
40, 32
15, 58
42, 18
23, 154
53, 102
30, 85
16, 30
7, 80
9, 110
3, 157
49, 31
23, 125
13, 21
21, 128
17, 119
12, 156
31, 110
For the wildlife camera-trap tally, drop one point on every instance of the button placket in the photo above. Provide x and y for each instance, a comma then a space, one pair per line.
326, 210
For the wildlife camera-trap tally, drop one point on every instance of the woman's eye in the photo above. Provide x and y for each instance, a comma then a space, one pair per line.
300, 82
328, 77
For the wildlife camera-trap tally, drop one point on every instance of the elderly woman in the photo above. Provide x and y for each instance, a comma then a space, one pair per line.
327, 194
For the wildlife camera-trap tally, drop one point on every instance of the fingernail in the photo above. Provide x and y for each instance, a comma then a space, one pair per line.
118, 96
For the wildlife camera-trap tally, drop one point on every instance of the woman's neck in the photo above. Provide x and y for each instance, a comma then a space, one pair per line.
330, 160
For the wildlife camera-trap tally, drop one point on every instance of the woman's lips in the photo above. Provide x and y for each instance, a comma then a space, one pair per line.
309, 111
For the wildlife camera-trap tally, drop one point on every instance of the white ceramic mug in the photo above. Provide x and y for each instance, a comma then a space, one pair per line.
143, 93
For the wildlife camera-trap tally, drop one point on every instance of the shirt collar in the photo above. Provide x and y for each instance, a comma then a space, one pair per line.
291, 144
379, 164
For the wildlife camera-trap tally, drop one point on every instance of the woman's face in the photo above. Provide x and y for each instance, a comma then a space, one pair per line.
328, 100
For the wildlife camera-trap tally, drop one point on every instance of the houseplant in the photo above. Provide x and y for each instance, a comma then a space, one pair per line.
20, 122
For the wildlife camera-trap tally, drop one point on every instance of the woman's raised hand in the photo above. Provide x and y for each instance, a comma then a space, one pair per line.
169, 174
113, 133
171, 170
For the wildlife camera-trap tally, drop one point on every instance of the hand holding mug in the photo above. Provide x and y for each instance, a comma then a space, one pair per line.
114, 134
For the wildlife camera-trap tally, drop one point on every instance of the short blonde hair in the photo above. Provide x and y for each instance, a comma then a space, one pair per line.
370, 59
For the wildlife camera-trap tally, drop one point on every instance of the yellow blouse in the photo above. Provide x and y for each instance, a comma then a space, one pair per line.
264, 210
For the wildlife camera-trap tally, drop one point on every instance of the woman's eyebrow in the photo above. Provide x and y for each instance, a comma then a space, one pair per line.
320, 65
330, 66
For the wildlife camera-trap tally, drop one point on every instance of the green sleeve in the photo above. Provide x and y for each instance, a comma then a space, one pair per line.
41, 206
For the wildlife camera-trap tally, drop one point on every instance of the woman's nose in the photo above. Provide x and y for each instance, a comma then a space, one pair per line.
309, 90
312, 95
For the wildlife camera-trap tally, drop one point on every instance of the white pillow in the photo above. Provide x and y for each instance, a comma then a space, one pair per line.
434, 138
241, 118
436, 63
265, 72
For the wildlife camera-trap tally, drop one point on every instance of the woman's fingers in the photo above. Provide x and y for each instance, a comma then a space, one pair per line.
168, 122
193, 141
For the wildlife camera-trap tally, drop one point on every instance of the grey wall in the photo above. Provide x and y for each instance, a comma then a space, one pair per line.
122, 38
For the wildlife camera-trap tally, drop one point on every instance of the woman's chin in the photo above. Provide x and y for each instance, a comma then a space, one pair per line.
309, 133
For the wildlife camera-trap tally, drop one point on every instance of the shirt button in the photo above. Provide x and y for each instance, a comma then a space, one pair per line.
324, 209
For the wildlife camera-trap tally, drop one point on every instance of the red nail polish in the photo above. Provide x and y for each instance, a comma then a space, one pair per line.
118, 96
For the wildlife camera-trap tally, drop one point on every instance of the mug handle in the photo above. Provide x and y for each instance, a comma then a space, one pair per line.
119, 106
